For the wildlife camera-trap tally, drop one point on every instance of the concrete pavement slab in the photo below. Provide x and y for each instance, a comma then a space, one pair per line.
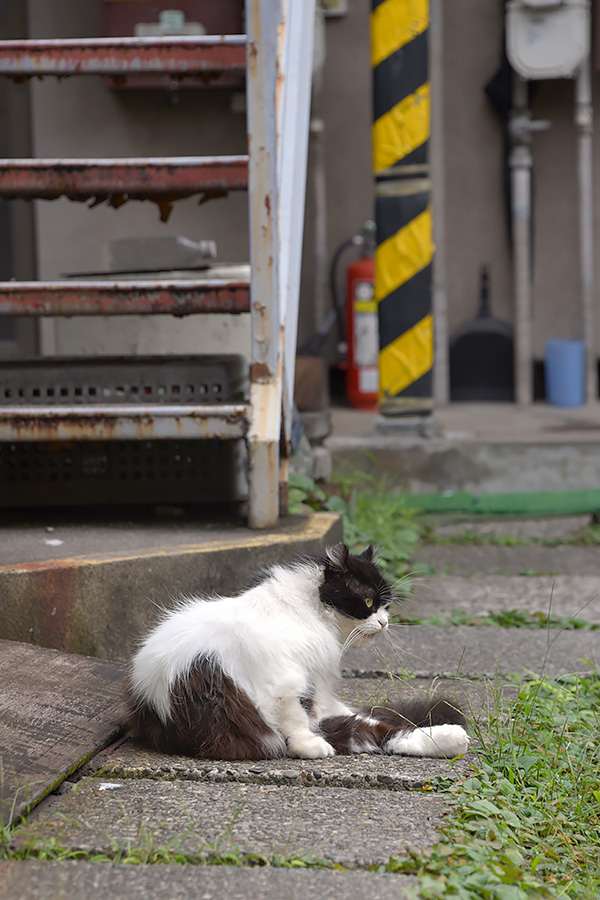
572, 596
476, 697
96, 881
371, 772
459, 559
548, 528
351, 828
55, 712
427, 651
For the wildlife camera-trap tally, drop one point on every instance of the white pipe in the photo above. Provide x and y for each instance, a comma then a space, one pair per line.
584, 122
520, 163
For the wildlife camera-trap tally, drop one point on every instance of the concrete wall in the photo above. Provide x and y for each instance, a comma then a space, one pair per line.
476, 225
343, 102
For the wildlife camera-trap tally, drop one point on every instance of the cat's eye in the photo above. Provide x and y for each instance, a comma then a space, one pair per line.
368, 602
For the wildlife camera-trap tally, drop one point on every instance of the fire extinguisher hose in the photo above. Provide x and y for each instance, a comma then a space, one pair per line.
314, 345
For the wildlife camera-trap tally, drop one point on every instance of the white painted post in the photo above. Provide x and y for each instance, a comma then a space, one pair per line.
292, 159
264, 23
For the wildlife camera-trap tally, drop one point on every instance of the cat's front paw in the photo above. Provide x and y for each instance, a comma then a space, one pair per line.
309, 746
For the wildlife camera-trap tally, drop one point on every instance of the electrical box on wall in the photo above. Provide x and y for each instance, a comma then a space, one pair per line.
547, 38
171, 18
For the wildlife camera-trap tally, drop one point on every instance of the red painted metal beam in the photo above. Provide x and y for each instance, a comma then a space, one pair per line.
117, 57
110, 298
133, 179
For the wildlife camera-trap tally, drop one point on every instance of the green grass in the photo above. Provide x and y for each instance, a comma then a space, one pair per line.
526, 823
371, 514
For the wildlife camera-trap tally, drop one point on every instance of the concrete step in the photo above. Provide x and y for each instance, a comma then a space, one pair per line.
573, 596
469, 652
478, 447
96, 589
366, 772
555, 528
96, 881
461, 559
350, 828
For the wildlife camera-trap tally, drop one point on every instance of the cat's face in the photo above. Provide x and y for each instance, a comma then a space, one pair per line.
356, 589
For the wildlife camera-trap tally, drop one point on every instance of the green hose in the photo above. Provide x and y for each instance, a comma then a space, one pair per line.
536, 503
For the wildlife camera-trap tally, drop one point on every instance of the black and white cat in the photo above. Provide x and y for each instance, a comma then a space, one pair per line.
254, 676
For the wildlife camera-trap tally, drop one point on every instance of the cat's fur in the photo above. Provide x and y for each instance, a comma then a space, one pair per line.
254, 676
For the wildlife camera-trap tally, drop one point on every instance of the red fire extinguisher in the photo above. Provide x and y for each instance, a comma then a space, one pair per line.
362, 327
357, 322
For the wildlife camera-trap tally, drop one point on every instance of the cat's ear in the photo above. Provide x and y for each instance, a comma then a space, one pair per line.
337, 556
368, 553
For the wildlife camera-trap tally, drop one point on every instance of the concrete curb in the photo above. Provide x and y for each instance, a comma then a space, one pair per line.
425, 465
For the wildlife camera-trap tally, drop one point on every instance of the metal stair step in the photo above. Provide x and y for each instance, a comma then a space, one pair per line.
176, 56
82, 179
175, 297
116, 423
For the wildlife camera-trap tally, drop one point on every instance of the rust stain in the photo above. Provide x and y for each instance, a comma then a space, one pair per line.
260, 371
117, 182
123, 56
55, 590
102, 426
268, 204
176, 298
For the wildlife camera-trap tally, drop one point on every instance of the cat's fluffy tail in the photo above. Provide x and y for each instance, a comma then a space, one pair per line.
429, 727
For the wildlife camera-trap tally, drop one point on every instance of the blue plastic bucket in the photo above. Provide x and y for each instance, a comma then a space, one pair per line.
565, 372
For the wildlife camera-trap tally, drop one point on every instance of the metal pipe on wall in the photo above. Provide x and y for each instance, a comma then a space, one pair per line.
584, 122
520, 163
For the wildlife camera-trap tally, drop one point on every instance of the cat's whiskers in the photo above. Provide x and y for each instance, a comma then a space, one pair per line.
355, 635
362, 631
351, 639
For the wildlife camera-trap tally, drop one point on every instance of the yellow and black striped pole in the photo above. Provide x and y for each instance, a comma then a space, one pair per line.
404, 254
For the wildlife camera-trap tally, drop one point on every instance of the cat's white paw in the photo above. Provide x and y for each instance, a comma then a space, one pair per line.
309, 747
441, 741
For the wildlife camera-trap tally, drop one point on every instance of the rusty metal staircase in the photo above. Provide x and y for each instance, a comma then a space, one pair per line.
276, 55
